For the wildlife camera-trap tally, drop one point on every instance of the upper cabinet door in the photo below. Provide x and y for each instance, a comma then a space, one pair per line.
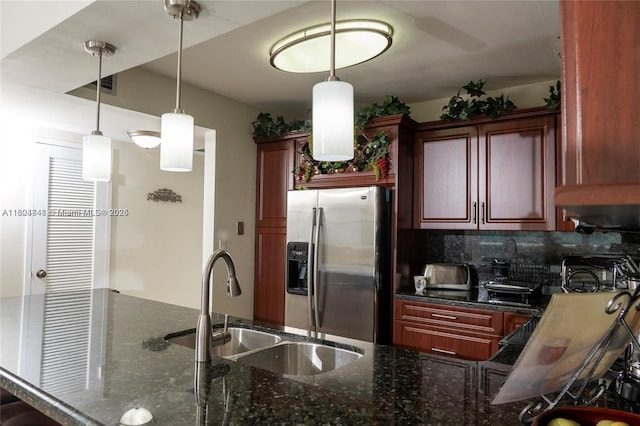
517, 174
446, 170
274, 178
494, 175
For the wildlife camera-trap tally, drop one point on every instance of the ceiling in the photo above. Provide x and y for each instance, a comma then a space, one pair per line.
438, 46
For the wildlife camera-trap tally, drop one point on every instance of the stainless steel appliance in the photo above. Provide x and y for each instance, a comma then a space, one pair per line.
598, 272
338, 262
516, 283
447, 276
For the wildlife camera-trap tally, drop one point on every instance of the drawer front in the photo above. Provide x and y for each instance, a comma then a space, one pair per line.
476, 320
443, 342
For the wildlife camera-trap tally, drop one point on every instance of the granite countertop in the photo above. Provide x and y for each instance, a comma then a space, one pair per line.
477, 298
129, 365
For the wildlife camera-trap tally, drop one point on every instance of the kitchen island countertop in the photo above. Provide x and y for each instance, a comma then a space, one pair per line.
129, 365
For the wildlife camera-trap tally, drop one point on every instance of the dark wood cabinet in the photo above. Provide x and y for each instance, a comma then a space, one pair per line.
269, 288
453, 331
460, 377
600, 126
274, 179
513, 321
600, 69
489, 175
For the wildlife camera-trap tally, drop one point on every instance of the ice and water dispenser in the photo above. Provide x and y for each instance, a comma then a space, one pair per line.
297, 255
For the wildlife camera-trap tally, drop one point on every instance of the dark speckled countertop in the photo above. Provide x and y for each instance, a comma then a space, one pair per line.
475, 298
128, 365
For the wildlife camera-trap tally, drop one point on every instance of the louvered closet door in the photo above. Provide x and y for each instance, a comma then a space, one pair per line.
68, 247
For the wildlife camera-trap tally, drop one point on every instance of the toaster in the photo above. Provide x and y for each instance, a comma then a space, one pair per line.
447, 276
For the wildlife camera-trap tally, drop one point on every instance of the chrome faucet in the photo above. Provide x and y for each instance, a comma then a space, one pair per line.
204, 334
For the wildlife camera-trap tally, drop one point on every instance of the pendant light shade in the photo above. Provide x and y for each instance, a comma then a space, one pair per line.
332, 114
96, 158
176, 150
176, 128
96, 148
332, 121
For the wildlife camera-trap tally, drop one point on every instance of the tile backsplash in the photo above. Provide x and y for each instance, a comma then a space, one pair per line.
479, 248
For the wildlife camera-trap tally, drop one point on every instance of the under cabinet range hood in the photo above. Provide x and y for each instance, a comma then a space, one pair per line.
606, 206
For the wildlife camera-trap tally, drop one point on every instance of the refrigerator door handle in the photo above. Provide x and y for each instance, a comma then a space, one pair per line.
316, 273
311, 267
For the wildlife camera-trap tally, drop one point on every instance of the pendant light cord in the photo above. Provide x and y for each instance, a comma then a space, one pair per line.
98, 90
332, 63
179, 72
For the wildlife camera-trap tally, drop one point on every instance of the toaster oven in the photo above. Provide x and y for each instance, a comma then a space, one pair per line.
447, 276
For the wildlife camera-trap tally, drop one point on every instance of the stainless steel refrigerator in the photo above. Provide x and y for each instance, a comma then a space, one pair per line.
338, 262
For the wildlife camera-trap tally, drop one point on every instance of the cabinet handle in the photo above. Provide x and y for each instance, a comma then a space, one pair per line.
482, 207
449, 317
444, 351
475, 212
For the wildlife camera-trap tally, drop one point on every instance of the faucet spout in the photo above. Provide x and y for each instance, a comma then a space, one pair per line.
204, 333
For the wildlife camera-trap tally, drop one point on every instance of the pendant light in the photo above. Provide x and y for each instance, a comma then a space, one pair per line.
96, 148
176, 128
332, 114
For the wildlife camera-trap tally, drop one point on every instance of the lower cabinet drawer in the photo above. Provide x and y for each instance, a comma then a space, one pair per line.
471, 346
466, 319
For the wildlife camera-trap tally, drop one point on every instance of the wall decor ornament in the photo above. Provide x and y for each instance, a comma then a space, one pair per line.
164, 194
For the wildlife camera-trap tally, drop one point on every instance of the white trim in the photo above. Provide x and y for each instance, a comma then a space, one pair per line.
209, 196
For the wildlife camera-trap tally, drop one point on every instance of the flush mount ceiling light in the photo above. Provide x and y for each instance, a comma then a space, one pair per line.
96, 148
145, 138
176, 128
332, 111
307, 50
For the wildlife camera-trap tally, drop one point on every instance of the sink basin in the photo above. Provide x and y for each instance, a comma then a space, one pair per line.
242, 340
300, 358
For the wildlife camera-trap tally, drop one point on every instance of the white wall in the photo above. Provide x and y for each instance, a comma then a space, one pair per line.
155, 249
16, 151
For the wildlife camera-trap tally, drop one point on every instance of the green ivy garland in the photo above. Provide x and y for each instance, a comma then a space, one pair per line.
553, 101
459, 108
265, 126
369, 154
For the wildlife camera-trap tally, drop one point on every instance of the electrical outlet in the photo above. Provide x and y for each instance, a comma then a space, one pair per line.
240, 227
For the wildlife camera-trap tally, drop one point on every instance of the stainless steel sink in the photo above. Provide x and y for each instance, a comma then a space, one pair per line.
242, 340
300, 358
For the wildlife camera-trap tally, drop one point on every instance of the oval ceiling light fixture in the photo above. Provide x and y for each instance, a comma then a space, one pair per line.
145, 138
307, 50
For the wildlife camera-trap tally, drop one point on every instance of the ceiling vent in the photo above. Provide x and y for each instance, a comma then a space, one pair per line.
108, 85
